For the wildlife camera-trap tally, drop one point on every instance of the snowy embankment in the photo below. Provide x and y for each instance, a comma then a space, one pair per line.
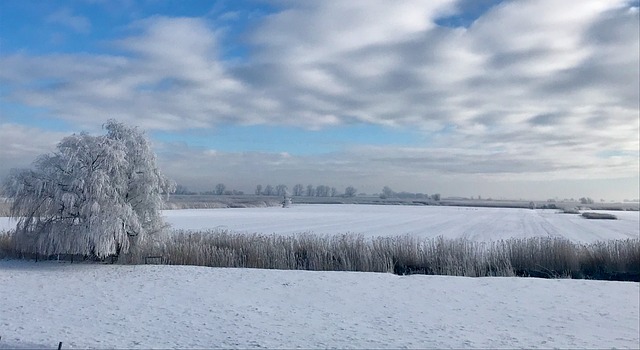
113, 306
478, 224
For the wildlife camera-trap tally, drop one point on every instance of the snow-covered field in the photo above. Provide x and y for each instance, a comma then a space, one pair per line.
112, 306
481, 224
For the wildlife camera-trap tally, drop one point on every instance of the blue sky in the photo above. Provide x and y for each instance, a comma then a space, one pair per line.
278, 139
458, 97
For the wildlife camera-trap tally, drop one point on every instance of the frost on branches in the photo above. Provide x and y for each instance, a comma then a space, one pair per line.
96, 195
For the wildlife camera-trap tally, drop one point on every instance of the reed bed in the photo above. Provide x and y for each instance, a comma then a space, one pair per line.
546, 257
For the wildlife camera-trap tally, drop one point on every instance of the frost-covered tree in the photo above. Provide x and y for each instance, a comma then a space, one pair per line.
268, 190
350, 191
95, 195
387, 192
220, 189
322, 191
310, 190
586, 200
183, 190
298, 190
258, 190
281, 190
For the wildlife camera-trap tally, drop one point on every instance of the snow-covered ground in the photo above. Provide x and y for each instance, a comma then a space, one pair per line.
480, 224
112, 306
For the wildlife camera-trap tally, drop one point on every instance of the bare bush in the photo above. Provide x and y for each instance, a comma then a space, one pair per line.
599, 216
569, 211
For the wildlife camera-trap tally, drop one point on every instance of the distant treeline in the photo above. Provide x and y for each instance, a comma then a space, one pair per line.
300, 190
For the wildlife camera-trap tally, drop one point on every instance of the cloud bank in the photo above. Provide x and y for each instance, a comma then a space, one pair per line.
530, 89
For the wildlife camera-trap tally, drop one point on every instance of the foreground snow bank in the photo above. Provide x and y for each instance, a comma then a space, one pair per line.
112, 306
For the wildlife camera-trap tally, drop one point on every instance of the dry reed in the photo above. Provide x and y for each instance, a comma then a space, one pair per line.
547, 257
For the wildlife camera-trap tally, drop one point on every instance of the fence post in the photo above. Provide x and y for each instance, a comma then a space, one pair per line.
59, 345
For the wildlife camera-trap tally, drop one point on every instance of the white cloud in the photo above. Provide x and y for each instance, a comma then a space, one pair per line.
325, 29
21, 145
543, 87
172, 80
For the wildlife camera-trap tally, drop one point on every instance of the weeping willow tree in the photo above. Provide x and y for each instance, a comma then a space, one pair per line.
95, 195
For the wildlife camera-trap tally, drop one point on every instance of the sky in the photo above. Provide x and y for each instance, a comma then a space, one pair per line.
528, 99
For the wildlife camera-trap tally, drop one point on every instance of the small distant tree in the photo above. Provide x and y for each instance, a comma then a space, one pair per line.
220, 189
586, 200
281, 190
298, 190
268, 190
334, 192
183, 190
258, 190
95, 195
310, 191
387, 192
436, 197
322, 191
350, 191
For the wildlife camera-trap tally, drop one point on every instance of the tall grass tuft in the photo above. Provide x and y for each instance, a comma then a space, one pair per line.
611, 260
5, 207
7, 247
549, 257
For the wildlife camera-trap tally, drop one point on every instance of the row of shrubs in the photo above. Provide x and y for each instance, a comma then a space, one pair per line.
548, 257
599, 216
